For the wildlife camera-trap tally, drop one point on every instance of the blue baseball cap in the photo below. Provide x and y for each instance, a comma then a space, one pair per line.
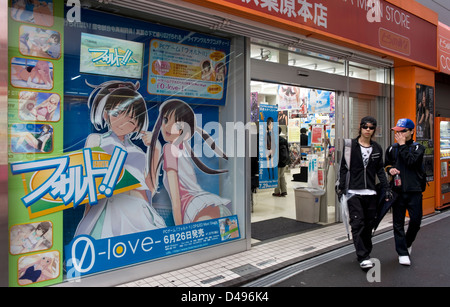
404, 123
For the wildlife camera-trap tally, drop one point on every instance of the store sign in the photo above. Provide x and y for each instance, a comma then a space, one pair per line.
386, 27
444, 48
81, 177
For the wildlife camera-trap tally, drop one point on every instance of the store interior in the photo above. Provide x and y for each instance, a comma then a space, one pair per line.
312, 112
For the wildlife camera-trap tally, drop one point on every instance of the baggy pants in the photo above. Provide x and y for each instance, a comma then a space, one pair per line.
362, 210
411, 201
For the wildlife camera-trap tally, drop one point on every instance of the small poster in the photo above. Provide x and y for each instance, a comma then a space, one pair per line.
268, 146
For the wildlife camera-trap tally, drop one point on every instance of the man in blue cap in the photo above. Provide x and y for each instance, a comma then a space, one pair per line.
403, 162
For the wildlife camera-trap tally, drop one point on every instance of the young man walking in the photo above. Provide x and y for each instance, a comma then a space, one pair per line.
366, 163
404, 163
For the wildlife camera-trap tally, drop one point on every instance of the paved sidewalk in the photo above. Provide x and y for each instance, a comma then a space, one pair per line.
262, 259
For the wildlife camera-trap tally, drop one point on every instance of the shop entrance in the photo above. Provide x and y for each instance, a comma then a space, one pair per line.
327, 97
306, 120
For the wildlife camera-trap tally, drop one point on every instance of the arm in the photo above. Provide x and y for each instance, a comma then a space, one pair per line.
172, 178
343, 170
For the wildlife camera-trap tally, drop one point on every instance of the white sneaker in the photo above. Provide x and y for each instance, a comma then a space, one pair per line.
366, 264
404, 260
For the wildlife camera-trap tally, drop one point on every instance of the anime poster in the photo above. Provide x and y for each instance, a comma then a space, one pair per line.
168, 62
319, 101
268, 146
292, 98
104, 172
425, 125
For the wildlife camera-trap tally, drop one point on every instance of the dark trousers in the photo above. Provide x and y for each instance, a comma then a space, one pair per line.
411, 201
362, 210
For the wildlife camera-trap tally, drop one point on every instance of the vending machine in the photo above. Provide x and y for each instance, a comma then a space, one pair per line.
442, 146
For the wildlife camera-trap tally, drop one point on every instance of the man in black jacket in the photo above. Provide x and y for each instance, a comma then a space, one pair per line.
283, 160
405, 159
366, 163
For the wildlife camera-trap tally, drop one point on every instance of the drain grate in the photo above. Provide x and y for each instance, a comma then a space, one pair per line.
245, 269
210, 280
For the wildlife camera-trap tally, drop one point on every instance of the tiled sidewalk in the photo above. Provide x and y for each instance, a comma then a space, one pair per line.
261, 259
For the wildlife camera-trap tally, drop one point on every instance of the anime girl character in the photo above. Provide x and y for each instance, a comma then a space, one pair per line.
46, 110
35, 77
220, 70
38, 267
119, 107
37, 141
207, 71
190, 203
30, 238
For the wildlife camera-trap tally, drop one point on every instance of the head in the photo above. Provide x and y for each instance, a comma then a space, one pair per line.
42, 228
55, 38
46, 128
119, 106
303, 131
177, 120
269, 123
405, 126
367, 126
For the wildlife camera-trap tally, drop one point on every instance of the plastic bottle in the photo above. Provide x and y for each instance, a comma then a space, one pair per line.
397, 180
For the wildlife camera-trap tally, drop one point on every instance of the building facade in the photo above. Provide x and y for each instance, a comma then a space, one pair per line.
132, 125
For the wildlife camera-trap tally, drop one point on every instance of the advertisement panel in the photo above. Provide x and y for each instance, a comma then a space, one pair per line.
268, 146
112, 156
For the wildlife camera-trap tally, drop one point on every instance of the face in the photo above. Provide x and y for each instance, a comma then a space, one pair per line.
170, 129
54, 99
367, 130
407, 133
121, 123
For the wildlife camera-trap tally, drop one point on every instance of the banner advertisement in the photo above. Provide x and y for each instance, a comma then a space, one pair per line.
110, 160
268, 146
425, 126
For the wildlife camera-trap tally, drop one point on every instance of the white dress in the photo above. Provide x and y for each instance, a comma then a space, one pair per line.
122, 213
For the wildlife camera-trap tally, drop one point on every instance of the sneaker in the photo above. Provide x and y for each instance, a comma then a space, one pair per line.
404, 260
366, 264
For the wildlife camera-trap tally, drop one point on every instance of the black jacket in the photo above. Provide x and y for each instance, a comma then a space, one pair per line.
360, 177
283, 146
408, 160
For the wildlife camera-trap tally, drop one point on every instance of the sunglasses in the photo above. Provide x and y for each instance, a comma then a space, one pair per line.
368, 127
404, 130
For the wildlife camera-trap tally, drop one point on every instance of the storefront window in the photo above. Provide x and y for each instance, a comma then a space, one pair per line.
116, 132
367, 72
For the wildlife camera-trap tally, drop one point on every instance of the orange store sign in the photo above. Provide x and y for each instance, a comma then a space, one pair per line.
444, 48
375, 24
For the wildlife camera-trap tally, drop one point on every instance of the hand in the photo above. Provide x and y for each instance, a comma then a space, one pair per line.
388, 195
393, 171
400, 138
146, 137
